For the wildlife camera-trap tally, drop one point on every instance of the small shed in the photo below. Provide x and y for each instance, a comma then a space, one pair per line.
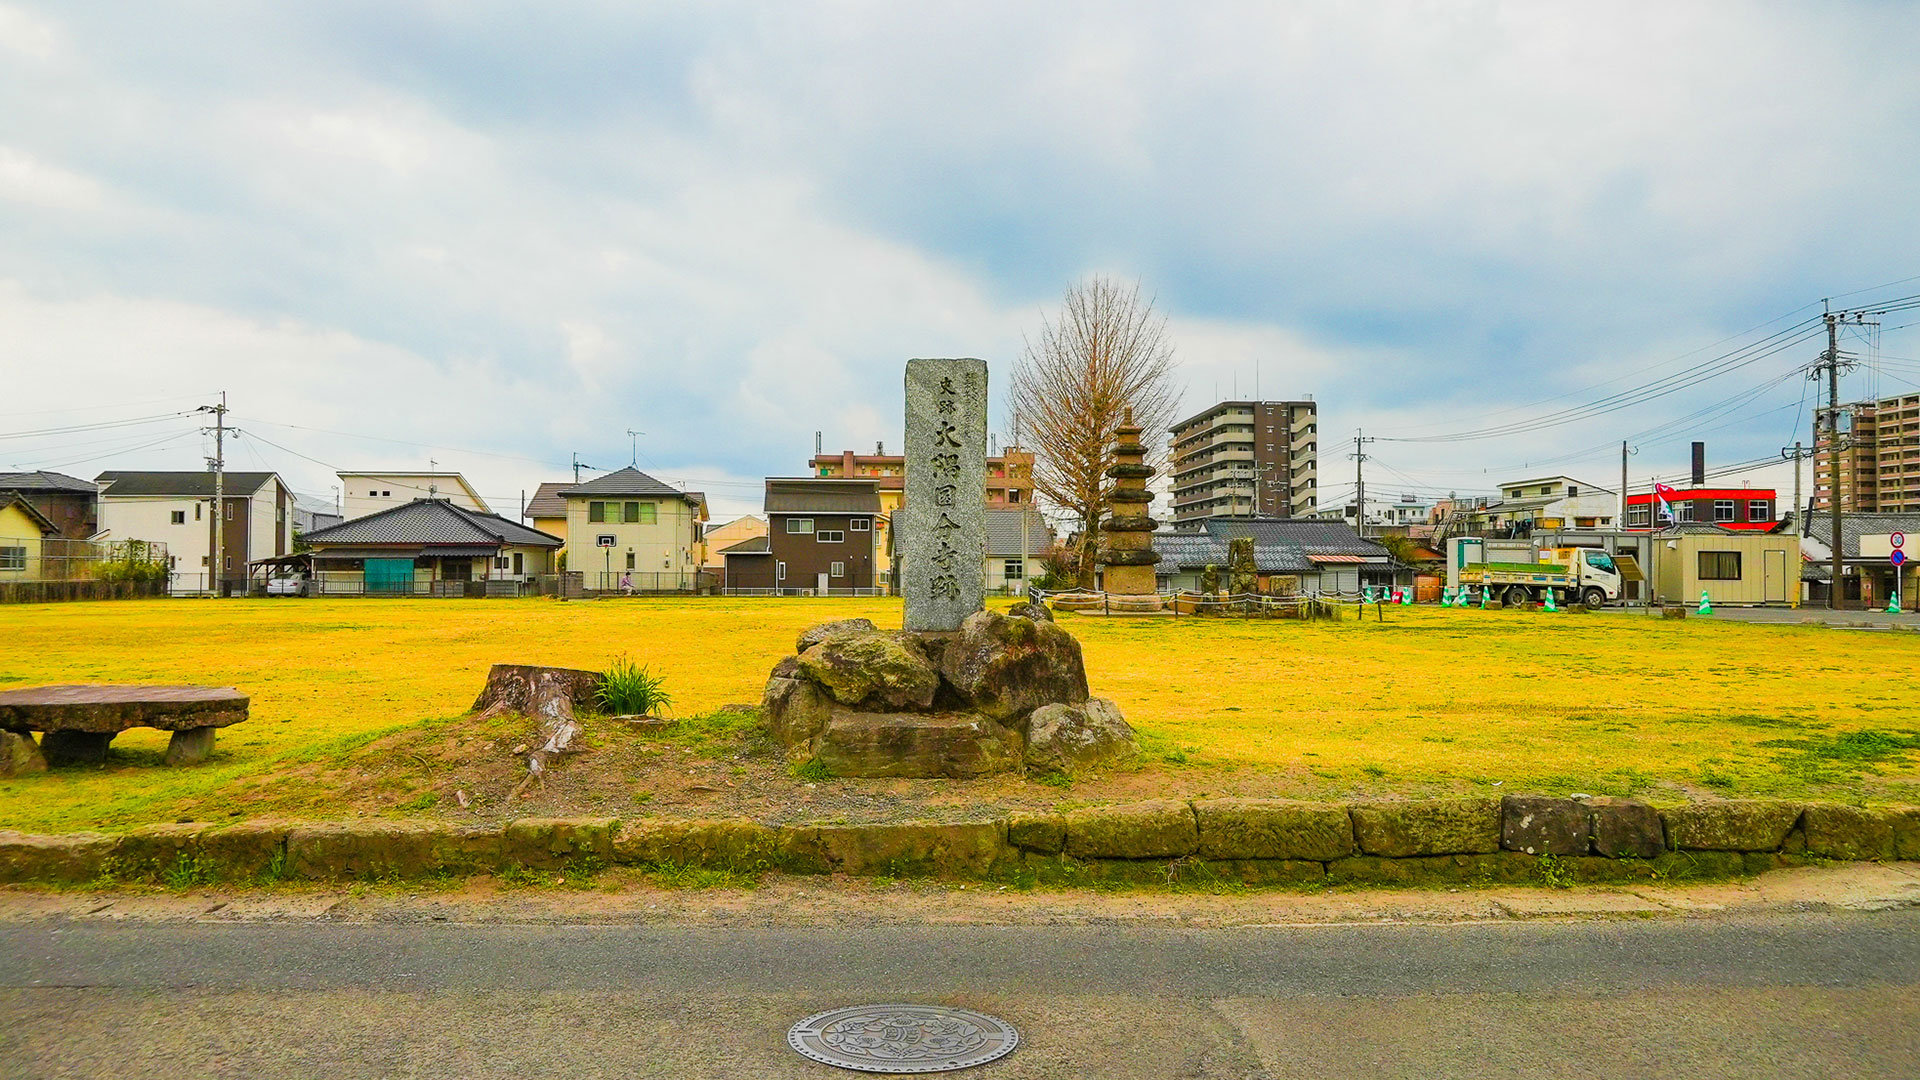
1738, 569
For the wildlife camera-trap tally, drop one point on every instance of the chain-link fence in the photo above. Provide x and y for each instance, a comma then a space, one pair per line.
35, 569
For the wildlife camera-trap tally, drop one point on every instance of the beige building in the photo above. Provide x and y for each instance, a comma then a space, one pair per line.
1879, 459
626, 530
547, 510
363, 493
1735, 569
719, 537
1246, 459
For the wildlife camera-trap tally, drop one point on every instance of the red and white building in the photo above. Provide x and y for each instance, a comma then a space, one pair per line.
1741, 509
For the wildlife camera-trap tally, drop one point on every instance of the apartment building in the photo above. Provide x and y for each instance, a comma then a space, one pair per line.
1879, 458
1246, 459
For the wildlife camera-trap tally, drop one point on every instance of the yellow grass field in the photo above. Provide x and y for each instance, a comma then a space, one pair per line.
1431, 700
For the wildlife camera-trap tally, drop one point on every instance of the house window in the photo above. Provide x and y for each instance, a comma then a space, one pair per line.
13, 558
838, 569
179, 517
501, 562
1723, 509
1719, 566
630, 513
799, 525
647, 513
196, 511
386, 494
373, 494
1572, 490
780, 571
1014, 570
519, 562
1759, 510
229, 511
596, 511
629, 560
857, 525
1683, 512
229, 565
1637, 515
830, 536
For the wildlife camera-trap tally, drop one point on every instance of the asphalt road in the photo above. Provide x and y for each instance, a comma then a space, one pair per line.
1802, 995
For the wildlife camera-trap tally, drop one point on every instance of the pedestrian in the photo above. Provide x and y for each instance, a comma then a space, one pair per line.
626, 584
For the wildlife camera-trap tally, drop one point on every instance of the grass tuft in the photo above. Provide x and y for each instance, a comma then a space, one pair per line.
632, 690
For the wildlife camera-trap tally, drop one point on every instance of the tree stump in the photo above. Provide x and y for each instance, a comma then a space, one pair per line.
549, 693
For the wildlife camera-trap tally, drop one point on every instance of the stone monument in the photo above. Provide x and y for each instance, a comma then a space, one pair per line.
1126, 554
943, 565
961, 691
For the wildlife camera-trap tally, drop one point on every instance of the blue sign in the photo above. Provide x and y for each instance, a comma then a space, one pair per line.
1898, 556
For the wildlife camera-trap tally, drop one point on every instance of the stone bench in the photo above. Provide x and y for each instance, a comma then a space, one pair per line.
81, 720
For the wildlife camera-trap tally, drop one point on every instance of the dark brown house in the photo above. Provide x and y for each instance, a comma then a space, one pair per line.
72, 504
820, 539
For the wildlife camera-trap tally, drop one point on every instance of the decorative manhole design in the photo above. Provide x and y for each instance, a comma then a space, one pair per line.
903, 1038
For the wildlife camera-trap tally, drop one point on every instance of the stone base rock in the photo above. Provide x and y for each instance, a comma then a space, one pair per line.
1070, 738
190, 746
1007, 667
915, 745
871, 669
20, 755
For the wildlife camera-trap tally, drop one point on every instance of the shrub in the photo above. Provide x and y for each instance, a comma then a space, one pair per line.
632, 690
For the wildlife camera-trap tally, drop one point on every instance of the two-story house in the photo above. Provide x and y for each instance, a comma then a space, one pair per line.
177, 509
1553, 502
364, 493
820, 539
70, 503
627, 531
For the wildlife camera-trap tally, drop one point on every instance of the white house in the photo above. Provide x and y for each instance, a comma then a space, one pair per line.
176, 509
363, 493
1554, 502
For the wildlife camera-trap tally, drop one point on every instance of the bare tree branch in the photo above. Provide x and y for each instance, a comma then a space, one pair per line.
1107, 352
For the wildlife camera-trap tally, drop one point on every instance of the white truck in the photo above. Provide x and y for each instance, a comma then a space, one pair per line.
1515, 572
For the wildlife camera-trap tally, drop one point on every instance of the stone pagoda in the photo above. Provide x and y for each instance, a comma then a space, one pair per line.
1126, 539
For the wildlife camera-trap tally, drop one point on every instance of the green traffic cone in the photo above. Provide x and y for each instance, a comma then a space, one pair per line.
1483, 598
1893, 606
1550, 604
1705, 607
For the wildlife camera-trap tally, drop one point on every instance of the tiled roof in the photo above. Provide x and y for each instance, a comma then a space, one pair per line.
547, 502
189, 484
435, 523
42, 480
822, 496
627, 481
1003, 532
1855, 526
1198, 550
1314, 536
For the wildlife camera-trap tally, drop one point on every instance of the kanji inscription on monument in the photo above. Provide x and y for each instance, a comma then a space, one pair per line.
946, 499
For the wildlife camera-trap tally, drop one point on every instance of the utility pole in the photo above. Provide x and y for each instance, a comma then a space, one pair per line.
1794, 454
219, 463
1622, 519
1832, 361
578, 465
1360, 482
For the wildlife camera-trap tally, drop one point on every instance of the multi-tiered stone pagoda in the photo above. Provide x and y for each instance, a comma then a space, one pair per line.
1126, 553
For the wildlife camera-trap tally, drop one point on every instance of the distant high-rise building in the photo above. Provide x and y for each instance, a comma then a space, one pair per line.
1879, 459
1246, 459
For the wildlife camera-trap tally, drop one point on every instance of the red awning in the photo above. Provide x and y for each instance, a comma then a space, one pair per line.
1339, 558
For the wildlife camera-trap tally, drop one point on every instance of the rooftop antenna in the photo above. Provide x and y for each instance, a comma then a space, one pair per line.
633, 447
816, 444
578, 465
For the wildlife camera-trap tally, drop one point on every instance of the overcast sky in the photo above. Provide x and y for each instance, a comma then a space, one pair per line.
496, 235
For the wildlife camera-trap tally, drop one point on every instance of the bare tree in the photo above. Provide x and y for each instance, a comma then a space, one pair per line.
1105, 354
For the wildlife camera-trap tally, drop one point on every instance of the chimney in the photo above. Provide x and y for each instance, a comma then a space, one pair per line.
1699, 464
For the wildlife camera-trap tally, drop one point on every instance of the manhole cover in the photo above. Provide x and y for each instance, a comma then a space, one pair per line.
903, 1038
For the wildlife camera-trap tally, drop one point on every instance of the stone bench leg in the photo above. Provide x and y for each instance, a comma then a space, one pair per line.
76, 747
190, 746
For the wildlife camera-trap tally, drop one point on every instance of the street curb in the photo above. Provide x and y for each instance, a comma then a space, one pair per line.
1513, 840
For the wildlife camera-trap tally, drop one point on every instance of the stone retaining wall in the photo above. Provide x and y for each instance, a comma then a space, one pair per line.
1255, 841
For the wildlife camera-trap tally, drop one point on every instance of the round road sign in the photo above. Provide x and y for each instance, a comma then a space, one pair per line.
1898, 540
1898, 556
